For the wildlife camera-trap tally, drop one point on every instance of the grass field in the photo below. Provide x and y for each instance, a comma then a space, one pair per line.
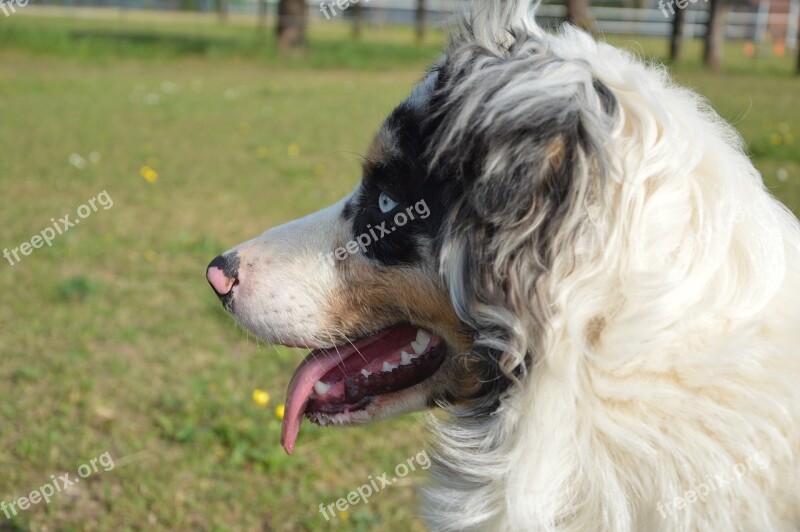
111, 339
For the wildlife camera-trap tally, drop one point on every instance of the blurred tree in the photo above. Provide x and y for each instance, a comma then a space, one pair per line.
676, 39
292, 18
715, 33
222, 9
579, 14
420, 21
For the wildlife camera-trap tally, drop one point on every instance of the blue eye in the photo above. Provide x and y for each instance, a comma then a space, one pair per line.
386, 203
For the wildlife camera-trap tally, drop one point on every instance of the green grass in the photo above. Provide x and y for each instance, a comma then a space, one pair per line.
112, 340
105, 37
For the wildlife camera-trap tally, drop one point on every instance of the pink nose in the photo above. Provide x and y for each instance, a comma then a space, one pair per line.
223, 274
221, 284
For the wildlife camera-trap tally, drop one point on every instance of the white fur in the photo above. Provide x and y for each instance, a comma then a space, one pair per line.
671, 346
286, 281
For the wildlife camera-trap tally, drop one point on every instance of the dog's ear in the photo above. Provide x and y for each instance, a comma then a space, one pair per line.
526, 142
513, 140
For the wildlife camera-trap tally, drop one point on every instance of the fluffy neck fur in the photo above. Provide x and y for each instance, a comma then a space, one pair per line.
660, 347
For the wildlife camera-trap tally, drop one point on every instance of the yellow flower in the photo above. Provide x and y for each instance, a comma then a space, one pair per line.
294, 149
776, 138
150, 175
344, 516
279, 411
260, 397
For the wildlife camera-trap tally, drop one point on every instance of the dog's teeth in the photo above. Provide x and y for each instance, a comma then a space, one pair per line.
405, 358
421, 343
423, 337
388, 367
321, 388
366, 373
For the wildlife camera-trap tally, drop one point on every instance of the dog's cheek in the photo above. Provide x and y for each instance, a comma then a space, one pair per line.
372, 297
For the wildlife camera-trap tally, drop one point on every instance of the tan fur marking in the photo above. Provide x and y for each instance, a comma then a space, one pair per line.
372, 298
381, 149
556, 152
594, 330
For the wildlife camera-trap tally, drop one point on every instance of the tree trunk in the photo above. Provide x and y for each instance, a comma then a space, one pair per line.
291, 24
676, 40
420, 21
222, 9
715, 33
358, 19
578, 14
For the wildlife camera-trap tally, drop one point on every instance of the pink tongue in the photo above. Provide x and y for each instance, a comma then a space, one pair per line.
321, 361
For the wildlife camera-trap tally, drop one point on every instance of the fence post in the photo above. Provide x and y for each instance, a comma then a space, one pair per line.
762, 19
262, 15
676, 40
420, 21
791, 27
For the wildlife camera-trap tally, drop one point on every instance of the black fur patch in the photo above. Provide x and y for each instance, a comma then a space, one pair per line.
395, 236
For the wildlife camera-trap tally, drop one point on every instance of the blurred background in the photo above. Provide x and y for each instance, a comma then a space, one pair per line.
167, 131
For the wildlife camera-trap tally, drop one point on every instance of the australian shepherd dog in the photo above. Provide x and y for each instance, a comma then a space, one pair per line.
575, 260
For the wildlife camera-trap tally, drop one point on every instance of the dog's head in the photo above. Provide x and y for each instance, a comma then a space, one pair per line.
421, 287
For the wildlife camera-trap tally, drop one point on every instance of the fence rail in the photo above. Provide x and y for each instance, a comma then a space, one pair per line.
742, 22
751, 23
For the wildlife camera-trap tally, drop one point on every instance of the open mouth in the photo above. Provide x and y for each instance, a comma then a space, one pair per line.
345, 379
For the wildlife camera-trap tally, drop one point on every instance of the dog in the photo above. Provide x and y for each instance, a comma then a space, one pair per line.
602, 296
